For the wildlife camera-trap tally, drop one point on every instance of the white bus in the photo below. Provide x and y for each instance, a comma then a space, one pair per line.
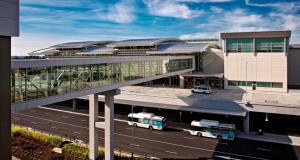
146, 120
213, 129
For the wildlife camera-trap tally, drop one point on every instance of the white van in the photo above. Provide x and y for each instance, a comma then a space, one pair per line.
201, 89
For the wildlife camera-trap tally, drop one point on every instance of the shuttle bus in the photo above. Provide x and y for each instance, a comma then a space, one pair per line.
213, 129
146, 120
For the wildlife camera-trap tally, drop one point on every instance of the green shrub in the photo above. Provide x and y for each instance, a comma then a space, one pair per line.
55, 141
76, 150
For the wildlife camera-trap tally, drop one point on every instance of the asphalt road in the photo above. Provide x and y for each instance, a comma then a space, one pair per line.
167, 144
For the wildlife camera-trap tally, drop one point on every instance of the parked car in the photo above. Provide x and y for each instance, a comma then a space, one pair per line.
204, 89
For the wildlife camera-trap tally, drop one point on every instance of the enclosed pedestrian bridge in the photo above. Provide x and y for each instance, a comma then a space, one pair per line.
38, 82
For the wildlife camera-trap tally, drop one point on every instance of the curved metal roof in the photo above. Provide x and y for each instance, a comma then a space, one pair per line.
80, 44
182, 48
142, 42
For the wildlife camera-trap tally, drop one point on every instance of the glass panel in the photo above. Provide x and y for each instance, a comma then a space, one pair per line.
277, 85
264, 84
269, 44
233, 83
239, 45
34, 83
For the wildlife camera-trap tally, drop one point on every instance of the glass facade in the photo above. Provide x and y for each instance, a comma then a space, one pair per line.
261, 45
269, 44
258, 84
239, 45
34, 83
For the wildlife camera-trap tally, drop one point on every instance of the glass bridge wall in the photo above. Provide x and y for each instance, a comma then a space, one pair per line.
34, 83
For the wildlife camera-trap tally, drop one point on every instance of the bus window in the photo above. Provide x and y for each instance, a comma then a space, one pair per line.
157, 123
195, 128
133, 119
146, 121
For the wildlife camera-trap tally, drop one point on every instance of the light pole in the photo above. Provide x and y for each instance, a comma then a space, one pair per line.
247, 102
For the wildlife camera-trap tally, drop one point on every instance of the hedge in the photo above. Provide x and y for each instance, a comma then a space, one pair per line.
53, 140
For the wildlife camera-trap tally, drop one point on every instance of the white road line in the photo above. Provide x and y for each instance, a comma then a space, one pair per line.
264, 149
151, 140
83, 120
226, 157
136, 145
53, 127
81, 114
35, 123
171, 152
157, 133
76, 132
188, 138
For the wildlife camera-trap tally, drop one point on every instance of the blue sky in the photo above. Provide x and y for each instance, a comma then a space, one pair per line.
48, 22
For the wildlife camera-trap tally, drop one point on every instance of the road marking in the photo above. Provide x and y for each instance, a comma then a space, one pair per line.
134, 145
188, 138
226, 157
81, 114
151, 140
264, 149
157, 133
171, 152
76, 132
15, 118
53, 127
35, 123
83, 120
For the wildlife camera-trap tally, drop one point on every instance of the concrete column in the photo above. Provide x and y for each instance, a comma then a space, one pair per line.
5, 109
93, 134
246, 121
74, 104
109, 127
109, 123
181, 81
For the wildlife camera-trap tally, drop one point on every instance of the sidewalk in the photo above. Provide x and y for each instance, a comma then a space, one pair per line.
274, 138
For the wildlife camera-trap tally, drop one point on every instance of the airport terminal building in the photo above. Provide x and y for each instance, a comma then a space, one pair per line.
263, 61
257, 67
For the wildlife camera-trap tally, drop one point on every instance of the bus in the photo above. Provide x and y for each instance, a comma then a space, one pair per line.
147, 120
213, 129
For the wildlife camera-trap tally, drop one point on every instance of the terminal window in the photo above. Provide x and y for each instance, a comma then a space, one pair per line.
239, 45
269, 44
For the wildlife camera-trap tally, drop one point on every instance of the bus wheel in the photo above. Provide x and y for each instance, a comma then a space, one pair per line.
199, 134
134, 125
219, 137
151, 127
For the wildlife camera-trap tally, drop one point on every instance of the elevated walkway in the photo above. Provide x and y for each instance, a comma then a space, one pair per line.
45, 81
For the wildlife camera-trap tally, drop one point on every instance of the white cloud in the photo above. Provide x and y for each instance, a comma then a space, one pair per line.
121, 12
287, 7
171, 8
206, 1
239, 20
200, 35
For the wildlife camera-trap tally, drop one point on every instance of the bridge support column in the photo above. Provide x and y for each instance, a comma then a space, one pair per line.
246, 121
181, 81
74, 104
5, 109
93, 134
109, 143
